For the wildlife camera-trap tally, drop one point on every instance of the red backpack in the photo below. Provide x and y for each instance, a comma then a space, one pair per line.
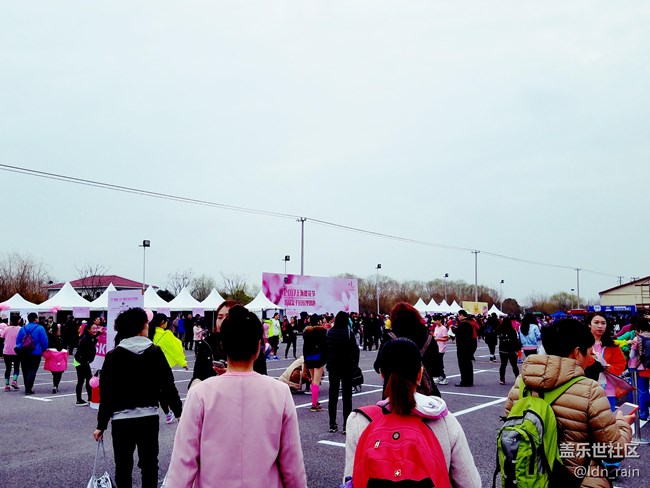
397, 450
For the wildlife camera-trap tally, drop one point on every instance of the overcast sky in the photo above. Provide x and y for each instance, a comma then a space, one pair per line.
518, 128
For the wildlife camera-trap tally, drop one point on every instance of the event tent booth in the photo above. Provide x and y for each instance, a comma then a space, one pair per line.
494, 309
260, 304
18, 304
65, 299
185, 301
101, 302
213, 300
420, 306
152, 301
454, 307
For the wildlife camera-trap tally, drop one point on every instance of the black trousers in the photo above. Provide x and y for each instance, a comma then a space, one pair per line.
141, 432
274, 342
505, 357
11, 360
83, 375
345, 382
56, 378
30, 364
291, 340
465, 366
528, 352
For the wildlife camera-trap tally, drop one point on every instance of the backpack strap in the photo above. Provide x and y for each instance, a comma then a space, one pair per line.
391, 334
426, 344
551, 395
372, 412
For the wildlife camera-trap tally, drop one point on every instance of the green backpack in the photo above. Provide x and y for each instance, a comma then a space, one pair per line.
527, 445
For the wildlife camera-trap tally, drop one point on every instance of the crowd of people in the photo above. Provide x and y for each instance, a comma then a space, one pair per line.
575, 362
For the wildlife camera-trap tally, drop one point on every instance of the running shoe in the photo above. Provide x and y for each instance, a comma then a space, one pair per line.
14, 385
55, 389
82, 403
7, 388
315, 408
169, 418
443, 381
333, 428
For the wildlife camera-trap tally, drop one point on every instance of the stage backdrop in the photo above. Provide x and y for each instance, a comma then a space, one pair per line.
311, 294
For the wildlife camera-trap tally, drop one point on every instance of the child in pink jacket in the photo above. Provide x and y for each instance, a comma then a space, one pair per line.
56, 362
239, 429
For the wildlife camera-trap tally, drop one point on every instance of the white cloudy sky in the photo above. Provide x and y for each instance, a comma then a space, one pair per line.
519, 128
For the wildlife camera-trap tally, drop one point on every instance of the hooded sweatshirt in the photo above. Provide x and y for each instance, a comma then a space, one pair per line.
135, 377
450, 435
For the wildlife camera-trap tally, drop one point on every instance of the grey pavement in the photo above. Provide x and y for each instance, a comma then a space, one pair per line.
47, 442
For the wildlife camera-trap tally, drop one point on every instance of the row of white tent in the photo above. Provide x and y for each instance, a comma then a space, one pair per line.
444, 308
68, 299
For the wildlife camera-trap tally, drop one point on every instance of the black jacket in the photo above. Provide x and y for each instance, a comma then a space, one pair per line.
87, 349
342, 351
129, 380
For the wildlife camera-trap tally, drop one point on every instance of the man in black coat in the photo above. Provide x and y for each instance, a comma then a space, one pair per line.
465, 349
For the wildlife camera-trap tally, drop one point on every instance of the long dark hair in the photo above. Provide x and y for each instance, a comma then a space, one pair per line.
528, 320
607, 340
506, 326
401, 364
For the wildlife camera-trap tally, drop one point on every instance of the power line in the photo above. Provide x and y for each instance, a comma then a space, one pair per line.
223, 206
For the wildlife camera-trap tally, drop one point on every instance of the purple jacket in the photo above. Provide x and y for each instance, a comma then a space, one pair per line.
238, 430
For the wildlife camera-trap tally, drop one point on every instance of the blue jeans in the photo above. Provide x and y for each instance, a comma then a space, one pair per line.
644, 397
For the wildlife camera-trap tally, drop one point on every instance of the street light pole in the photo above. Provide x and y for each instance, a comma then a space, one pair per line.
286, 258
302, 244
476, 274
145, 244
377, 287
572, 291
446, 276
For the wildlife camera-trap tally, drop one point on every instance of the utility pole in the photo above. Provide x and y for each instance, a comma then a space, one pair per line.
378, 267
446, 276
476, 275
302, 244
145, 244
620, 280
578, 285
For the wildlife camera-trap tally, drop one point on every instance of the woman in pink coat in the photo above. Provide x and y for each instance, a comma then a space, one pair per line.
239, 429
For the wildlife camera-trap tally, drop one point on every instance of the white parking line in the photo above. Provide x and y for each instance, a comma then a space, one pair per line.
305, 405
479, 407
331, 443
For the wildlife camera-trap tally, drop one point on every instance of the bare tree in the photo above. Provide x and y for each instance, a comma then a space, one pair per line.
24, 275
235, 287
202, 286
90, 277
179, 280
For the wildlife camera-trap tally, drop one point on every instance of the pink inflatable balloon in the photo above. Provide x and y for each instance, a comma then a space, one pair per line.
94, 382
149, 314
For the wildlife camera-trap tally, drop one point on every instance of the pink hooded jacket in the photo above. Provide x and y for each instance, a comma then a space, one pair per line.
238, 430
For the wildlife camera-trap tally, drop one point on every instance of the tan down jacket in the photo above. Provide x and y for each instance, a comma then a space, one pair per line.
583, 413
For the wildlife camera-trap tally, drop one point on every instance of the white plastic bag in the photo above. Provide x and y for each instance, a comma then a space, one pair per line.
103, 481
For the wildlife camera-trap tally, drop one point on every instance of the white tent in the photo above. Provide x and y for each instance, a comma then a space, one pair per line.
495, 310
261, 303
152, 300
433, 307
420, 306
213, 300
18, 303
454, 307
184, 301
101, 302
66, 299
444, 307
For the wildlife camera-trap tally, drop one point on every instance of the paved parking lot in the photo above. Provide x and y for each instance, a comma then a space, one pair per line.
46, 439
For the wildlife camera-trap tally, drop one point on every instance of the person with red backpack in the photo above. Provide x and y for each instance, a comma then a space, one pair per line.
408, 439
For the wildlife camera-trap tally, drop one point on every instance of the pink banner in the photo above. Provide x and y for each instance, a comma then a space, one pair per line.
311, 294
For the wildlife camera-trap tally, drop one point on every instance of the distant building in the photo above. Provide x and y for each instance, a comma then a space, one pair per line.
93, 286
635, 292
